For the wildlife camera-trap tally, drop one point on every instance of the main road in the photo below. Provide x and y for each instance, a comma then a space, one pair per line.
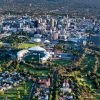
32, 90
55, 78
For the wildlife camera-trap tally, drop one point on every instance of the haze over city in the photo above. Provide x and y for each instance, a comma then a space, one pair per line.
50, 6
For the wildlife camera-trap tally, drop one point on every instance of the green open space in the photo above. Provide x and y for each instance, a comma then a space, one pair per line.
28, 45
62, 62
88, 63
12, 94
39, 72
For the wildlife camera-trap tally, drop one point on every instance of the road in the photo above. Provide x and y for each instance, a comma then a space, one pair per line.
32, 90
55, 78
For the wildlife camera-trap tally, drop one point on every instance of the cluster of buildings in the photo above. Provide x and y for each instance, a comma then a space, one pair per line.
52, 27
47, 30
66, 91
42, 92
9, 80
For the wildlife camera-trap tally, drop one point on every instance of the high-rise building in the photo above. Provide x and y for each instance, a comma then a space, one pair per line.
52, 22
36, 24
68, 23
55, 35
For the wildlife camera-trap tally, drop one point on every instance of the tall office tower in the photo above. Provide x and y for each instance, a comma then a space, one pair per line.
64, 20
2, 20
52, 22
56, 22
75, 27
55, 35
67, 18
40, 20
84, 18
30, 7
67, 22
36, 24
21, 25
95, 20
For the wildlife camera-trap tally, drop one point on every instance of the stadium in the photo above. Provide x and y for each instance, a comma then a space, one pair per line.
35, 53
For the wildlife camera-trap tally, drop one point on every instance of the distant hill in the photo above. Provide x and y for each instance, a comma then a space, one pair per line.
49, 5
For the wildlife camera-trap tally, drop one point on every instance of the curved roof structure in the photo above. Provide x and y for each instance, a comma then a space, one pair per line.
46, 41
22, 53
37, 40
36, 48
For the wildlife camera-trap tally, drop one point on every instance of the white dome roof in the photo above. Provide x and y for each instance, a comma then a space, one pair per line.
46, 41
36, 48
22, 52
37, 40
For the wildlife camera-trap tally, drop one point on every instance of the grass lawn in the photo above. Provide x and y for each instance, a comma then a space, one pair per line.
1, 62
12, 93
27, 45
63, 62
88, 63
39, 72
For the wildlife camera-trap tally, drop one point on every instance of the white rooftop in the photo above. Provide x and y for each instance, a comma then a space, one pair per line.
36, 48
37, 40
